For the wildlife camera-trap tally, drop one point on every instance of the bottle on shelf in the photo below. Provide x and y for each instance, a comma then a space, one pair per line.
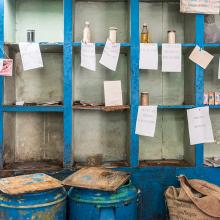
171, 35
87, 33
113, 34
145, 34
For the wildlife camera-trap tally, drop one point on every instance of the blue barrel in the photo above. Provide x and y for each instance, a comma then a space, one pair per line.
87, 204
46, 205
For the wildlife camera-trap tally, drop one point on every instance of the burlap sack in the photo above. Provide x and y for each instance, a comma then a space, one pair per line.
194, 200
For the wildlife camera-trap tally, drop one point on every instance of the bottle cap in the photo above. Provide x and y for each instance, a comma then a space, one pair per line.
145, 25
87, 23
113, 28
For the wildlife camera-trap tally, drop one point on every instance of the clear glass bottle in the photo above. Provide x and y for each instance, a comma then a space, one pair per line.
87, 33
145, 34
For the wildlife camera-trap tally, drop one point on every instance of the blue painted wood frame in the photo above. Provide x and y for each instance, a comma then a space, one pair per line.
134, 80
1, 82
67, 78
199, 83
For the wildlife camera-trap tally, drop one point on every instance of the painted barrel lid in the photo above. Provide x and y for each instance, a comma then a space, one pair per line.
124, 194
97, 178
28, 184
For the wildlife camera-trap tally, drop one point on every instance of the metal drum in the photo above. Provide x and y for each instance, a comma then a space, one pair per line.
87, 204
46, 205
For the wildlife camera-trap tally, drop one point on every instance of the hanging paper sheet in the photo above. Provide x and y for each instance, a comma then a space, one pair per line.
200, 127
200, 6
6, 67
30, 56
146, 120
88, 57
110, 55
148, 56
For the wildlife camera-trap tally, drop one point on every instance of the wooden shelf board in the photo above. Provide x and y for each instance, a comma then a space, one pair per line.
168, 162
102, 108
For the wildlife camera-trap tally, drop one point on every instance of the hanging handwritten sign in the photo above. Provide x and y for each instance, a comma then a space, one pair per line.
200, 6
110, 55
200, 127
146, 120
30, 56
148, 56
171, 57
88, 57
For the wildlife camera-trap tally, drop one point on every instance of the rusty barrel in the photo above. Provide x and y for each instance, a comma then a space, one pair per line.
85, 204
46, 205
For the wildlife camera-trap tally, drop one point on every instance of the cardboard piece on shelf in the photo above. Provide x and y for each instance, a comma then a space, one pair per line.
146, 121
201, 57
30, 56
98, 178
171, 57
148, 56
110, 55
28, 183
199, 6
113, 93
200, 127
6, 67
88, 56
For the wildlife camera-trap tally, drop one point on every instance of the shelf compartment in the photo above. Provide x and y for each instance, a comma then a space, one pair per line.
30, 136
162, 16
102, 108
96, 133
163, 148
37, 108
37, 85
101, 16
21, 16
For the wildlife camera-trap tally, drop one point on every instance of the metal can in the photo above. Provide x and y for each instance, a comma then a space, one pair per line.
144, 98
211, 98
171, 36
30, 36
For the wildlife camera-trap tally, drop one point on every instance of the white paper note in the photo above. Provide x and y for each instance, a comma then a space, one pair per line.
20, 103
113, 93
146, 120
148, 56
88, 56
201, 57
110, 55
30, 55
7, 68
219, 68
171, 57
200, 127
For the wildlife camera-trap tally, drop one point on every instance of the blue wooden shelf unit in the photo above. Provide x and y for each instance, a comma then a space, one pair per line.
151, 177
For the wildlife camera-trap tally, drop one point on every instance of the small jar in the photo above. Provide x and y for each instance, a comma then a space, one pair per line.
144, 98
30, 36
113, 34
87, 33
145, 34
171, 35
